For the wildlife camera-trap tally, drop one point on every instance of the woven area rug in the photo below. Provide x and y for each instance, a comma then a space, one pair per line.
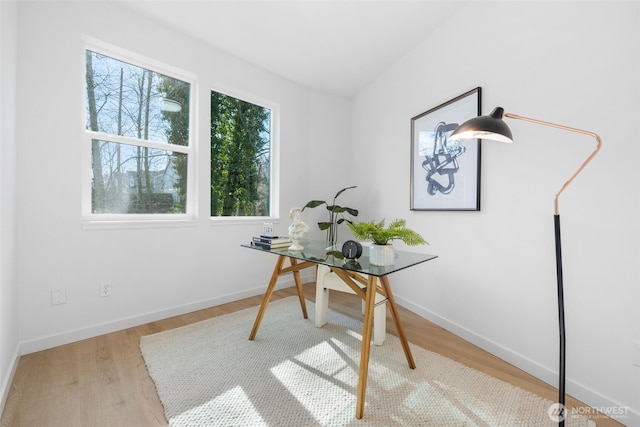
294, 374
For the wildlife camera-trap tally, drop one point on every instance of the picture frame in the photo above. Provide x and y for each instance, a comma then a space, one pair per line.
445, 175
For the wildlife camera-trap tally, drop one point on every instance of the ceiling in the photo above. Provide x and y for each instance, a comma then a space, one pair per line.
334, 46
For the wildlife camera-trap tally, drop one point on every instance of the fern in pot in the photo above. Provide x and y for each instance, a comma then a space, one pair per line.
381, 252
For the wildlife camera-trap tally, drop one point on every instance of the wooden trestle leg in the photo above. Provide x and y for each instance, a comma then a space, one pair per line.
278, 270
296, 278
267, 296
396, 320
367, 329
369, 296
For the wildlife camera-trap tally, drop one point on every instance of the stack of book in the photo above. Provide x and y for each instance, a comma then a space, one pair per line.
272, 242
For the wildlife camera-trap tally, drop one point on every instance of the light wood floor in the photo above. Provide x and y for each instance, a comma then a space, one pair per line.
103, 381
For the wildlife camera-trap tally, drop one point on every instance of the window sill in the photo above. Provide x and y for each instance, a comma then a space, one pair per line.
137, 224
241, 220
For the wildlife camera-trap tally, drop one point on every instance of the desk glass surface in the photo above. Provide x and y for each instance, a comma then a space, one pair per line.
319, 251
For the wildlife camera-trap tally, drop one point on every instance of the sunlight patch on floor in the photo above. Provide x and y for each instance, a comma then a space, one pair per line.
231, 405
328, 397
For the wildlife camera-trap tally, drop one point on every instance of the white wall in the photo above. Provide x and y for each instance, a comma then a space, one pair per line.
8, 238
155, 272
494, 281
329, 159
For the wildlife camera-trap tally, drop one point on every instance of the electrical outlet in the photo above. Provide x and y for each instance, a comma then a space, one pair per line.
58, 296
635, 358
105, 289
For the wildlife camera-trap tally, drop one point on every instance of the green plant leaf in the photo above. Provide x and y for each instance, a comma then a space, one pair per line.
336, 209
380, 235
314, 204
352, 212
343, 190
336, 215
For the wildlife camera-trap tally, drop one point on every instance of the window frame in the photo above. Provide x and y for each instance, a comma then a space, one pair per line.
100, 220
274, 153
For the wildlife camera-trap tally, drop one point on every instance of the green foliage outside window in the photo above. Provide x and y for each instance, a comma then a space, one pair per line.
240, 157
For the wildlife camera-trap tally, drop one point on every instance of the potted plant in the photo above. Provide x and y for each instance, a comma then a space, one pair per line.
336, 215
381, 252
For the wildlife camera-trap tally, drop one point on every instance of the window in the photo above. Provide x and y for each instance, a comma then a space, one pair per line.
241, 158
138, 127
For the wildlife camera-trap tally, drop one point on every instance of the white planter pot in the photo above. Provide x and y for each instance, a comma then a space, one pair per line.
381, 255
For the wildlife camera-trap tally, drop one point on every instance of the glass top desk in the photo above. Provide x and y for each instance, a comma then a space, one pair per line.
365, 279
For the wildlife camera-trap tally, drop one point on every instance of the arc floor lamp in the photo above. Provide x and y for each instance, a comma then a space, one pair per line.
492, 127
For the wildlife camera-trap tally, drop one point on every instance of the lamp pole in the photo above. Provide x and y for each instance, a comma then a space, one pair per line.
558, 244
492, 127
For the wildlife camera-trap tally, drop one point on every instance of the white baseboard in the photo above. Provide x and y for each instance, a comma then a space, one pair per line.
68, 337
619, 412
56, 340
8, 378
591, 397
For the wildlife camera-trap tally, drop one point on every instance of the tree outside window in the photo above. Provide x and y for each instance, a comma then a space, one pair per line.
138, 123
240, 157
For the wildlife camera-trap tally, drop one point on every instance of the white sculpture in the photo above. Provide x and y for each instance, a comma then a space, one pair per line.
297, 229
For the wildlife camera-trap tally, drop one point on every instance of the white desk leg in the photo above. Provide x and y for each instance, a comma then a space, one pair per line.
379, 320
326, 281
380, 324
322, 297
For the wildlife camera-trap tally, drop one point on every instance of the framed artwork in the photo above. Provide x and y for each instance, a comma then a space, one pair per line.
445, 174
